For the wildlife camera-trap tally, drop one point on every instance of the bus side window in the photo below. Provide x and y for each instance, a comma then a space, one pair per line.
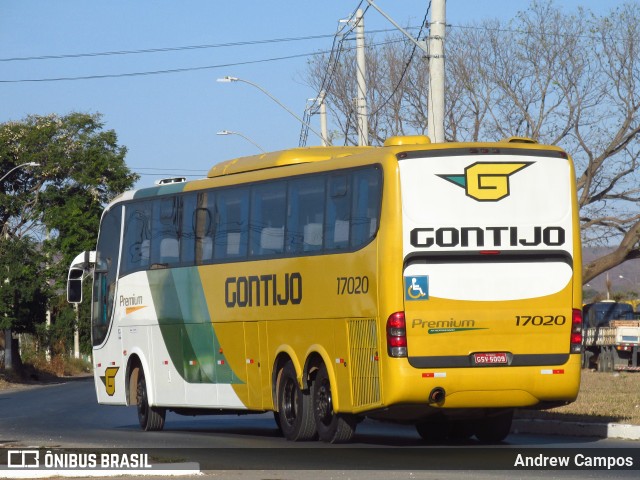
268, 214
137, 237
305, 216
338, 216
366, 206
165, 244
204, 219
188, 230
232, 226
105, 276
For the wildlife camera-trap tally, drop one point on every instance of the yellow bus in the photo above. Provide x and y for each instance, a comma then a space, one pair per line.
431, 284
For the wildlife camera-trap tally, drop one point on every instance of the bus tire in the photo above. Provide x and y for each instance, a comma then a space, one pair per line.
332, 427
276, 417
433, 430
460, 430
294, 408
494, 428
150, 418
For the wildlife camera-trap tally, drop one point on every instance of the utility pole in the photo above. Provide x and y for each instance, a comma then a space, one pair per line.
76, 332
323, 118
435, 54
361, 104
435, 112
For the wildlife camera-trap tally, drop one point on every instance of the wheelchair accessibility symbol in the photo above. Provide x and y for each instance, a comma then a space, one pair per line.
416, 287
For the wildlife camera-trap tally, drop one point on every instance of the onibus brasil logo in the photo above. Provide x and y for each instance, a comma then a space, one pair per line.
487, 181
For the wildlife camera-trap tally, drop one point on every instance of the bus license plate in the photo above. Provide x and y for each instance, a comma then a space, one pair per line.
490, 358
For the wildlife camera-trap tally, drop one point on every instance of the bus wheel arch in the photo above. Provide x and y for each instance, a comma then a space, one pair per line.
134, 367
282, 358
332, 427
150, 418
276, 374
312, 365
293, 404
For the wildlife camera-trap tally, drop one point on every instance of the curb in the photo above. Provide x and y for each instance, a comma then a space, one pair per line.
577, 429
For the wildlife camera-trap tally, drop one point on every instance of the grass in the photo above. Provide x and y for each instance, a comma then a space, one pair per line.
603, 397
59, 365
36, 369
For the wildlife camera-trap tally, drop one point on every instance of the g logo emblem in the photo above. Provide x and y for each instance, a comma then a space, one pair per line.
487, 181
109, 380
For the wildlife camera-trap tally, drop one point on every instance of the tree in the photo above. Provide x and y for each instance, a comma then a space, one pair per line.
23, 299
58, 204
566, 79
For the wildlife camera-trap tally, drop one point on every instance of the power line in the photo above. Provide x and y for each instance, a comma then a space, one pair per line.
257, 42
332, 64
173, 70
171, 174
174, 49
163, 49
406, 66
168, 169
168, 172
517, 30
157, 72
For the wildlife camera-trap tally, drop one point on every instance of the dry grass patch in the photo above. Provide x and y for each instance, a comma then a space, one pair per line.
603, 397
37, 369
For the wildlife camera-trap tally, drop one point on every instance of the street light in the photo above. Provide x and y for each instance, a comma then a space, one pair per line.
229, 132
28, 164
229, 79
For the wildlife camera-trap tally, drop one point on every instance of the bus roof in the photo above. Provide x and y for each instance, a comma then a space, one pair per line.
295, 156
282, 158
318, 154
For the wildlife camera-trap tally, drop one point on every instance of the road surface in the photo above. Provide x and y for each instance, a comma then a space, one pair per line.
67, 416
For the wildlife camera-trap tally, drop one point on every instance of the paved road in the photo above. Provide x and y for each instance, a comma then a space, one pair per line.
67, 415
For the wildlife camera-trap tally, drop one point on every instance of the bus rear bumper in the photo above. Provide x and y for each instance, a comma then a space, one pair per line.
485, 387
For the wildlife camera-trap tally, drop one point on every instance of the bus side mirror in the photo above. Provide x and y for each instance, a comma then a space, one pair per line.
74, 285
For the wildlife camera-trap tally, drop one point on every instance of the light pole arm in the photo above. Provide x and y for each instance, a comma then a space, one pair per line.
251, 141
229, 132
236, 79
435, 53
28, 164
418, 44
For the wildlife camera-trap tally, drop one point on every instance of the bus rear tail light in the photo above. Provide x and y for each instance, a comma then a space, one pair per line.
397, 335
576, 331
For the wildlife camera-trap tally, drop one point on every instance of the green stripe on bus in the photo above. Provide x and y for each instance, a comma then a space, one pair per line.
186, 326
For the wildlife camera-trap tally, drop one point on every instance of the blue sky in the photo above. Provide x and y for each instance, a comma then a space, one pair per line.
169, 122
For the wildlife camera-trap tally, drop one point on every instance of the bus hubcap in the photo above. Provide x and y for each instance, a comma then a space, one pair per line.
324, 409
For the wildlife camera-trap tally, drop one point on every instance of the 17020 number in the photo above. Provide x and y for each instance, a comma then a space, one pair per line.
539, 320
353, 285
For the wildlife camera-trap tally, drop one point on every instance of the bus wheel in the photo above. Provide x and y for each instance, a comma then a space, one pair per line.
433, 431
494, 428
150, 418
294, 408
460, 430
332, 427
276, 417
